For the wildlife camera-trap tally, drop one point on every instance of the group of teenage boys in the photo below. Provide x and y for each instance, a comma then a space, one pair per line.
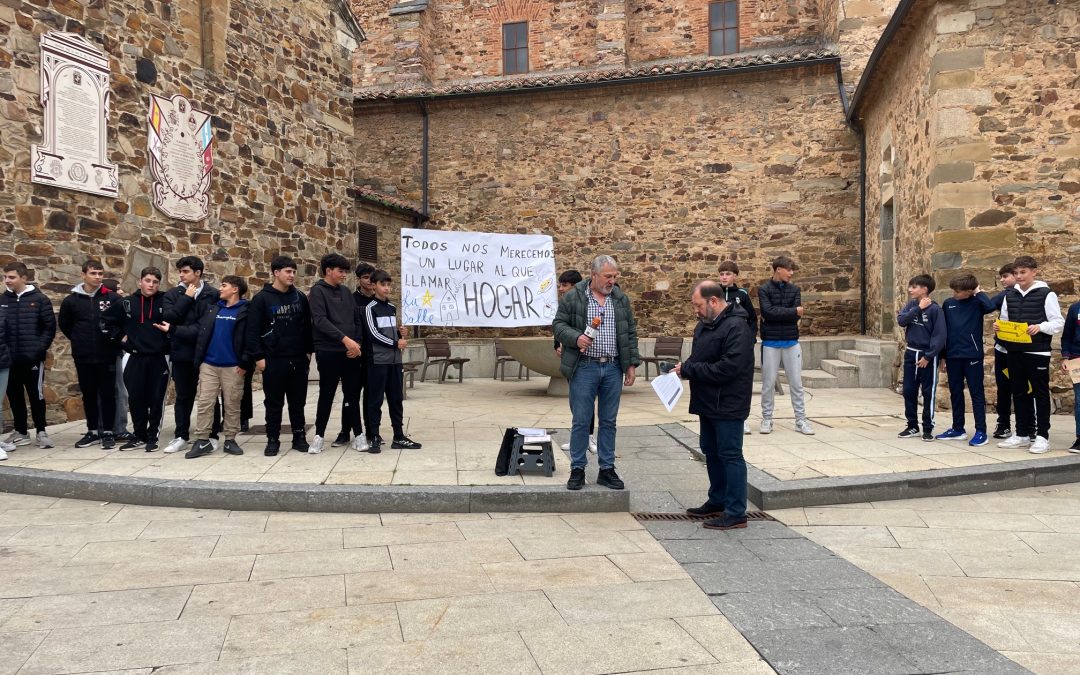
210, 342
949, 338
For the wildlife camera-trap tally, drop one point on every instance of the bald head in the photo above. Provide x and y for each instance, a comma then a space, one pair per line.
708, 299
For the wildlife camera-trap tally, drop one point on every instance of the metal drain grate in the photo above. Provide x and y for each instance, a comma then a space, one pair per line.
750, 515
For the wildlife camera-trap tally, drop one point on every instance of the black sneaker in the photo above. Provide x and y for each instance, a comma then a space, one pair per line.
244, 427
577, 479
725, 523
88, 439
910, 432
124, 437
200, 448
609, 479
151, 446
375, 445
273, 447
132, 444
107, 441
928, 435
342, 439
405, 443
299, 442
232, 448
1075, 447
1002, 432
705, 509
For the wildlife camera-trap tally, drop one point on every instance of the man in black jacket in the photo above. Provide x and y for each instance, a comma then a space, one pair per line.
138, 323
185, 306
31, 327
279, 343
781, 309
82, 322
335, 324
721, 374
351, 422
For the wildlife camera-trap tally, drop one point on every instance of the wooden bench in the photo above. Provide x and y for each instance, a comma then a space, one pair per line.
437, 353
667, 349
502, 357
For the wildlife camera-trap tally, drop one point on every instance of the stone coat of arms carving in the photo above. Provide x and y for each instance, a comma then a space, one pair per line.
180, 141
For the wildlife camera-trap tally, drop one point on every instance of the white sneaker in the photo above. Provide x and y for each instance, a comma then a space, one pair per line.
803, 427
214, 443
1040, 446
18, 439
175, 445
316, 446
592, 444
565, 446
1015, 441
766, 426
3, 455
360, 444
746, 428
6, 447
43, 440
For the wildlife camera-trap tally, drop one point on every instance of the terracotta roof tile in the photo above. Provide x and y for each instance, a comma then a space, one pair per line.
393, 202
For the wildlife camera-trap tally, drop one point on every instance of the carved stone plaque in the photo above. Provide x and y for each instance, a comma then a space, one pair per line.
180, 140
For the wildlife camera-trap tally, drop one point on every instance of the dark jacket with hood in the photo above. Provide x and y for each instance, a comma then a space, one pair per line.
31, 324
380, 322
82, 321
779, 320
5, 353
184, 315
278, 324
239, 336
721, 367
569, 325
134, 317
334, 316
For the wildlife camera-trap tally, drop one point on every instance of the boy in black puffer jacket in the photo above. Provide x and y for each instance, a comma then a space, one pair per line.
781, 309
31, 327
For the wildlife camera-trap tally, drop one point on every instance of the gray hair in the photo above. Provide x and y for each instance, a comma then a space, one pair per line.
601, 261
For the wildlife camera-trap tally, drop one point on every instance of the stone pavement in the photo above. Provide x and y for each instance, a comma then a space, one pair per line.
461, 425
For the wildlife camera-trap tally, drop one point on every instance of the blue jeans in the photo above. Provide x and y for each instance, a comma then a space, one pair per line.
722, 443
599, 383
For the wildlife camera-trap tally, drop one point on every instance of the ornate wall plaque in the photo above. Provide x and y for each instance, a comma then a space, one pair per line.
180, 140
75, 96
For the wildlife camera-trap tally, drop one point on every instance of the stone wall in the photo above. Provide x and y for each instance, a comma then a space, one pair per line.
670, 177
279, 88
859, 25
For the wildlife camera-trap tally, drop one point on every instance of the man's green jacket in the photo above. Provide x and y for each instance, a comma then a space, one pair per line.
569, 325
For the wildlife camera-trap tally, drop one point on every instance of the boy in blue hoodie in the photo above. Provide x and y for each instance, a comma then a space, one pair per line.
964, 353
924, 330
1070, 349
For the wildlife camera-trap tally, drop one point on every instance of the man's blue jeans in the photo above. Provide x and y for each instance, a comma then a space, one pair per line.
721, 443
599, 383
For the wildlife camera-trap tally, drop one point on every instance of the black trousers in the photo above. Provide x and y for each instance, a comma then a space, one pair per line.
1030, 375
334, 367
246, 404
350, 416
915, 380
29, 378
285, 376
97, 381
146, 377
384, 381
1004, 391
186, 378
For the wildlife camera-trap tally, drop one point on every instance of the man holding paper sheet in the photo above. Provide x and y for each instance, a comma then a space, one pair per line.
721, 374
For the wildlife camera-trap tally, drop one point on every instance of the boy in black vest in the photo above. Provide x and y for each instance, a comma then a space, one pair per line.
1030, 302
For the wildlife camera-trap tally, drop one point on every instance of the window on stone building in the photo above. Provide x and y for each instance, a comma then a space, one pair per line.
515, 48
723, 27
368, 250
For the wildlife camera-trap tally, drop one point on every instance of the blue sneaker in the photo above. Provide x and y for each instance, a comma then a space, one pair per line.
952, 435
979, 439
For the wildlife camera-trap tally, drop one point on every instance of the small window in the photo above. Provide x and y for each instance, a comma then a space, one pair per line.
515, 48
723, 27
369, 243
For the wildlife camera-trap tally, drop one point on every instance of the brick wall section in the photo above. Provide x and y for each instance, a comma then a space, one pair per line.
280, 92
671, 178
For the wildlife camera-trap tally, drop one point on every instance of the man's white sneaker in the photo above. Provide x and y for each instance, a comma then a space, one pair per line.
803, 427
6, 447
18, 439
43, 440
565, 446
592, 444
360, 444
3, 455
746, 427
1040, 446
766, 426
1013, 442
175, 445
316, 446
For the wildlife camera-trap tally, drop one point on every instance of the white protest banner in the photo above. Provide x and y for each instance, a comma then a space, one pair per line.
477, 279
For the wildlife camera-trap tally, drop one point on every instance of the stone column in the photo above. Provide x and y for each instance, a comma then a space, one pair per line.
611, 33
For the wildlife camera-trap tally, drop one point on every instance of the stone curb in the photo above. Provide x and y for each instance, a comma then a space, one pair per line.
309, 498
771, 493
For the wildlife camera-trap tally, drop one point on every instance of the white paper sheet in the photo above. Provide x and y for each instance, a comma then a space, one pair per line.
668, 388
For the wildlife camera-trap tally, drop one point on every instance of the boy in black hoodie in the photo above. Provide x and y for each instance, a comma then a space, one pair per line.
31, 327
351, 424
335, 324
82, 322
733, 295
279, 343
384, 371
138, 323
924, 329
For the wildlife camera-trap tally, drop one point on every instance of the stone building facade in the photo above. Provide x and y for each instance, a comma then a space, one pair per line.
970, 111
628, 140
279, 87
